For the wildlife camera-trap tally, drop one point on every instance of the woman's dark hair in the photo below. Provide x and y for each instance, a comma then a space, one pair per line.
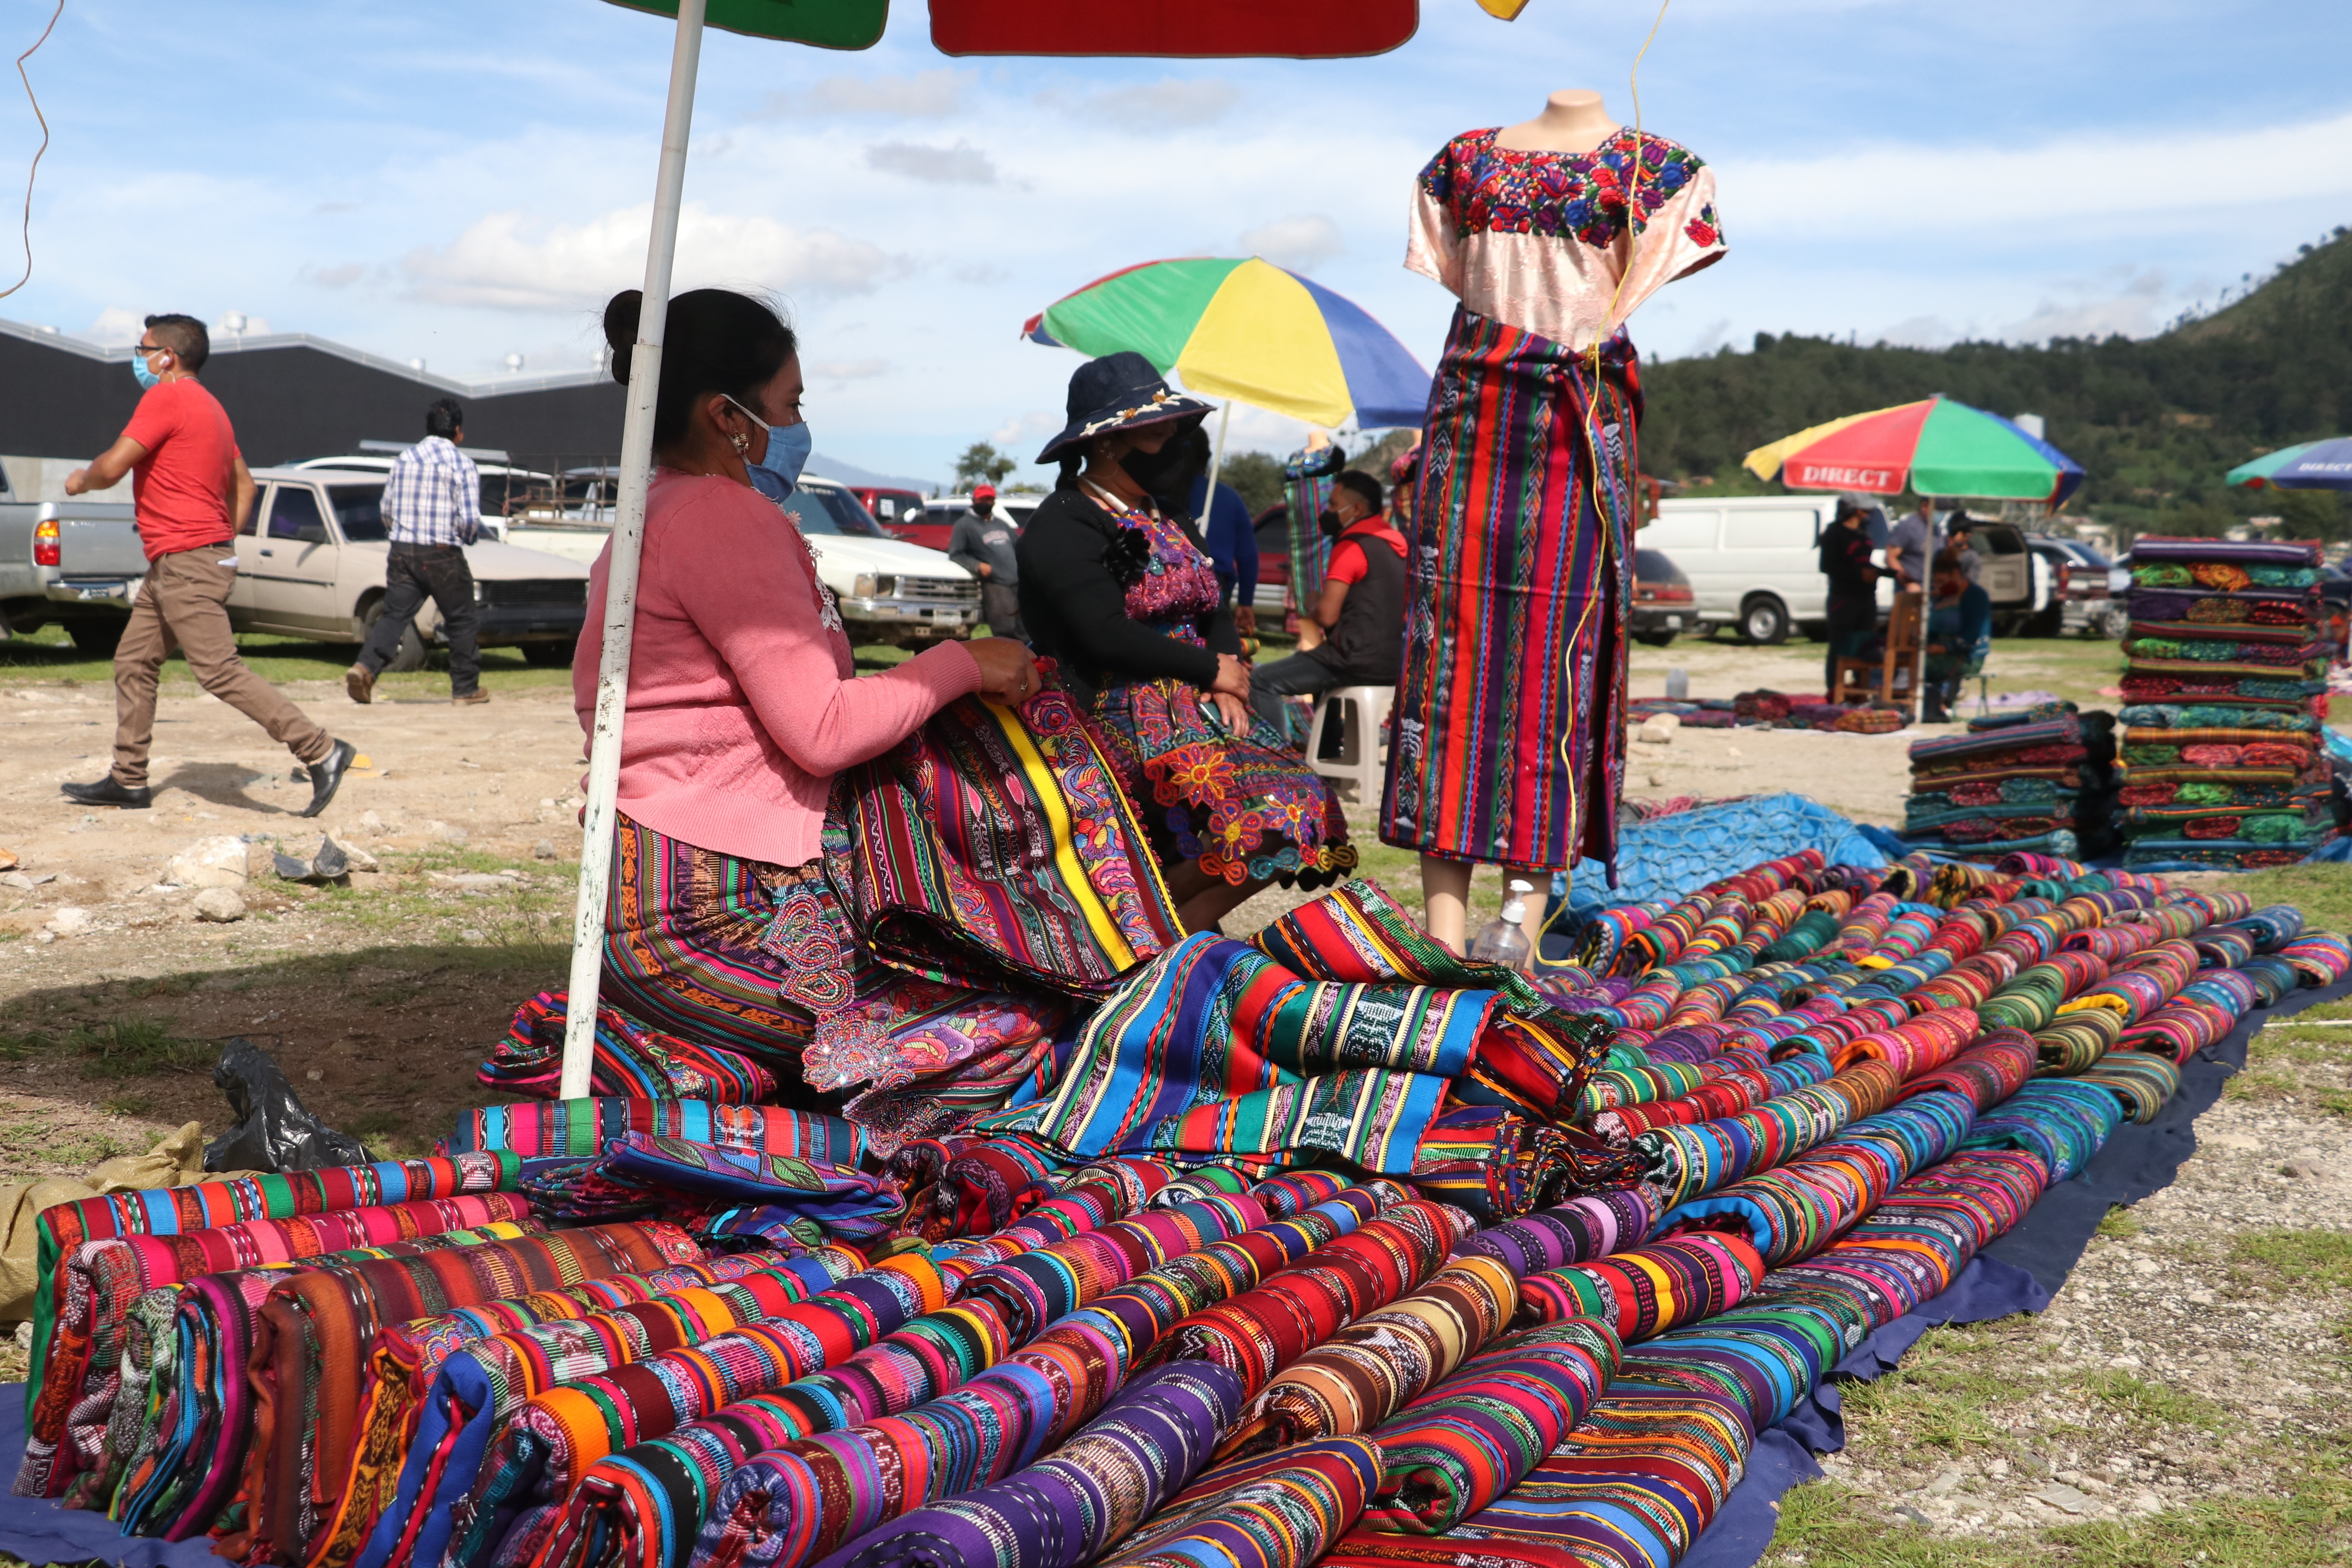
1363, 485
715, 340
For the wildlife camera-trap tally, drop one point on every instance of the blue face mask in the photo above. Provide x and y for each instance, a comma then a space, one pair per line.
147, 378
778, 472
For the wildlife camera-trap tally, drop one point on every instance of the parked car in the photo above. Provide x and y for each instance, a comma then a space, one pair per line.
1663, 600
932, 526
2082, 602
508, 492
891, 591
311, 564
896, 510
1271, 591
73, 564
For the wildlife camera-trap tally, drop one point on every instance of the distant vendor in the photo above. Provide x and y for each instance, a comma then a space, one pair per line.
1353, 636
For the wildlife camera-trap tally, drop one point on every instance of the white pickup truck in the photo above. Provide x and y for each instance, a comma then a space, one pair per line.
891, 591
70, 563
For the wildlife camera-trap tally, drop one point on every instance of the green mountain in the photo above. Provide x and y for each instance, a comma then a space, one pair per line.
2155, 421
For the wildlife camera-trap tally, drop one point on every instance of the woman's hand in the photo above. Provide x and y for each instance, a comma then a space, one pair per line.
1233, 677
1007, 670
1238, 715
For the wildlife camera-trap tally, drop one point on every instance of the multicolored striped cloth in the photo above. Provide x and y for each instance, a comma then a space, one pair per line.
552, 1129
1279, 1509
207, 1206
1211, 1049
632, 1059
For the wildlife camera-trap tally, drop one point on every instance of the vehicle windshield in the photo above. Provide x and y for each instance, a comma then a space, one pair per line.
359, 512
834, 512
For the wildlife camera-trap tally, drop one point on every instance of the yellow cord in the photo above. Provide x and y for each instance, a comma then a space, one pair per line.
1592, 452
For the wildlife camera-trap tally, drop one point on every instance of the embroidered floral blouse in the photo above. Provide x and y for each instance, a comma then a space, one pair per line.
1539, 241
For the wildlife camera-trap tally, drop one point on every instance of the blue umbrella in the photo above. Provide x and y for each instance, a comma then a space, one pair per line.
2314, 465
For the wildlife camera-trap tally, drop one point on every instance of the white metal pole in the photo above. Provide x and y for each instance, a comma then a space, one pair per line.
1216, 465
621, 580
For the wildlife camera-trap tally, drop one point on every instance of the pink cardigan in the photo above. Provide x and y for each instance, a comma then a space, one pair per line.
742, 703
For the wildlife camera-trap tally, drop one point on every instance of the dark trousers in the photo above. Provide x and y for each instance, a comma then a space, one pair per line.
412, 574
1000, 606
1850, 621
1299, 675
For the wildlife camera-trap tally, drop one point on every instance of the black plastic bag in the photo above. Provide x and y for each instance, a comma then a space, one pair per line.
273, 1132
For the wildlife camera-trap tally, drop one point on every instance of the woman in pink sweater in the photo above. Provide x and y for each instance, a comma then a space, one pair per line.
743, 700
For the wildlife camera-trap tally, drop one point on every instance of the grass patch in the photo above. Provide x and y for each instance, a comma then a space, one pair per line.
48, 657
1942, 1397
1825, 1524
2119, 1224
2280, 1259
2323, 893
2260, 1086
138, 1048
2140, 1400
126, 1105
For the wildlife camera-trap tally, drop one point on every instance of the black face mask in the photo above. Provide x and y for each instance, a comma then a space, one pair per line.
1155, 471
1329, 521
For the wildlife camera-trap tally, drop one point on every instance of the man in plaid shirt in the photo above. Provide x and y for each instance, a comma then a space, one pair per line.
432, 509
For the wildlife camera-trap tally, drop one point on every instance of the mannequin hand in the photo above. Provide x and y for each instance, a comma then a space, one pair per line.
1007, 672
1238, 715
1233, 677
1310, 634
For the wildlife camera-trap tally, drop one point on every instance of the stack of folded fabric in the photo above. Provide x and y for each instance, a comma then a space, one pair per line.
2223, 761
2038, 779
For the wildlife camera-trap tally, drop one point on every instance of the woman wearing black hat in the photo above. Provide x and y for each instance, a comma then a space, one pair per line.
1124, 599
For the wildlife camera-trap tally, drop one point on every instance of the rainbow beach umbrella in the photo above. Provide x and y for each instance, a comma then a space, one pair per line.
1248, 330
1934, 447
2313, 466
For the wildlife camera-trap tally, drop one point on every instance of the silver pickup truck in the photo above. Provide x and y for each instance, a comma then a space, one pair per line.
70, 563
310, 563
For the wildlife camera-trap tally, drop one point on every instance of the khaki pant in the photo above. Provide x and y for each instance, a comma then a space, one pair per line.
183, 604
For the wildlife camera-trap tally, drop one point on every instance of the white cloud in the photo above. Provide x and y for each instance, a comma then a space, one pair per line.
115, 325
1026, 432
850, 370
342, 276
504, 261
1919, 332
1300, 243
2135, 303
962, 164
1174, 102
925, 95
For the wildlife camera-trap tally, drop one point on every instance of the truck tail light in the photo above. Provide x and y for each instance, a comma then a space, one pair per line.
2065, 580
48, 544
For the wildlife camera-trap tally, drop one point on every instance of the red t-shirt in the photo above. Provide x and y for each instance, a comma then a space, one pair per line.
182, 486
1348, 564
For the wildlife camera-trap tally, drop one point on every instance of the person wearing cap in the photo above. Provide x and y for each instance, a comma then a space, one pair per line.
981, 543
1122, 596
1853, 586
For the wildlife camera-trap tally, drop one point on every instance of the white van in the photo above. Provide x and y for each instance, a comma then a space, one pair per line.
1754, 561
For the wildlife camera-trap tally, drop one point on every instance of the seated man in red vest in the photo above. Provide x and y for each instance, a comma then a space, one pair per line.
1354, 635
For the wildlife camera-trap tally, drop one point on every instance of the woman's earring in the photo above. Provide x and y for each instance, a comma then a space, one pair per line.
740, 443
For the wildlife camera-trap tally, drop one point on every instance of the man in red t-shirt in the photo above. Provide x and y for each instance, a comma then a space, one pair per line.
192, 494
1353, 636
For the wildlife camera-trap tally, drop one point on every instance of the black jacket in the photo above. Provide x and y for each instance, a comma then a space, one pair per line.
1075, 612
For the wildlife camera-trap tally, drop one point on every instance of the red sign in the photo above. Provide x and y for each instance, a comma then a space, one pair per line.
1870, 480
1199, 29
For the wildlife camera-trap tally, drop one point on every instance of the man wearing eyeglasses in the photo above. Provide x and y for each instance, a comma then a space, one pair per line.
192, 492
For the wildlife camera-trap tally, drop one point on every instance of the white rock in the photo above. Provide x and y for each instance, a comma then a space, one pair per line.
217, 861
469, 881
70, 921
1658, 731
545, 849
360, 860
219, 905
370, 822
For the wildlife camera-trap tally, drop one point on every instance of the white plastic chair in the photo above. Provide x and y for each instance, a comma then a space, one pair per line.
1367, 722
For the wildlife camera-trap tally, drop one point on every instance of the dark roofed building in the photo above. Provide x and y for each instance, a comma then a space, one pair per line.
294, 396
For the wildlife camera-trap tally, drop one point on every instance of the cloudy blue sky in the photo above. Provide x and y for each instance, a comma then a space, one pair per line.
462, 181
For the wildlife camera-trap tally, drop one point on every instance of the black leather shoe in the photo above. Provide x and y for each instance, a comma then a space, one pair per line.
107, 792
327, 777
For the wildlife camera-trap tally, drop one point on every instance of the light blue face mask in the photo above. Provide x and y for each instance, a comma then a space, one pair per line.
777, 474
147, 378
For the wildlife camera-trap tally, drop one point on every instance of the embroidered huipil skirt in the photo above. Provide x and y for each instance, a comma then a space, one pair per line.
1507, 743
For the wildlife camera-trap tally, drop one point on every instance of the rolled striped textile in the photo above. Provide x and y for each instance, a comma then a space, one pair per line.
1004, 1416
103, 1277
208, 1206
547, 1129
1724, 1093
643, 1507
1239, 1058
2076, 1040
1070, 1212
405, 1360
1261, 1330
1367, 1371
1916, 1045
1926, 1231
1096, 1490
2061, 1121
959, 1186
632, 1059
2143, 1082
2207, 1009
1276, 1509
1298, 1191
2272, 976
2321, 958
1985, 1075
1587, 1227
309, 1361
1643, 1292
465, 1439
203, 1423
1636, 1083
784, 1194
1690, 1161
1039, 1286
1493, 1164
1470, 1440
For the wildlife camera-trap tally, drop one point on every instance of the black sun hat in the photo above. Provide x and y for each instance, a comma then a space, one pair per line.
1119, 392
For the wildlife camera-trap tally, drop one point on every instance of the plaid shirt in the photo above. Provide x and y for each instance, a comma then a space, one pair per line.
434, 496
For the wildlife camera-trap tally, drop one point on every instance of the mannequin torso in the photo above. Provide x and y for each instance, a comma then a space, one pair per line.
1573, 120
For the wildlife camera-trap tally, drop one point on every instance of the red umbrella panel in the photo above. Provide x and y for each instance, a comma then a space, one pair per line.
1199, 29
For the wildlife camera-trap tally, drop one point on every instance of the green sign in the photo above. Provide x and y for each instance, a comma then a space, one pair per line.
828, 24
